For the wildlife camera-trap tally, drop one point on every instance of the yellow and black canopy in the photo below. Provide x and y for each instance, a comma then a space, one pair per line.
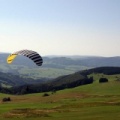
34, 56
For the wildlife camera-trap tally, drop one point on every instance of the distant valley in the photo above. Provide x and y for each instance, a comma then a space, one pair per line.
54, 66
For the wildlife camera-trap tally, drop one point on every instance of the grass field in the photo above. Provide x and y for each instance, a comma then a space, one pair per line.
88, 102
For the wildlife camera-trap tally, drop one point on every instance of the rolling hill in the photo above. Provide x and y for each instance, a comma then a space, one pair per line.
54, 66
11, 80
59, 83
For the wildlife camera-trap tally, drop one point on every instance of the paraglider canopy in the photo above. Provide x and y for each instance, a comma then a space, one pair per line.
34, 56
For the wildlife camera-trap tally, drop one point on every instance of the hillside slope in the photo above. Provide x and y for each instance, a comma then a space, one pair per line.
11, 80
63, 82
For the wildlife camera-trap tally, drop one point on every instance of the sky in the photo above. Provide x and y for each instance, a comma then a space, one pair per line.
61, 27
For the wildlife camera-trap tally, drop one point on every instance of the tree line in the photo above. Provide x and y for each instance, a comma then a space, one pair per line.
63, 82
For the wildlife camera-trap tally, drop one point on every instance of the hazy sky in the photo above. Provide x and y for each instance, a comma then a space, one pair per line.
61, 27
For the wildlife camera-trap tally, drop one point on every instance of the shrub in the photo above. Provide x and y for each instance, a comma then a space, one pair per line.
102, 80
6, 99
45, 94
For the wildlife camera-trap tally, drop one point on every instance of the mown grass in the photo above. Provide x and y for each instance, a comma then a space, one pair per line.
88, 102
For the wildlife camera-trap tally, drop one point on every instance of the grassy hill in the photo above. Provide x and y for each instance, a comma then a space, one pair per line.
87, 102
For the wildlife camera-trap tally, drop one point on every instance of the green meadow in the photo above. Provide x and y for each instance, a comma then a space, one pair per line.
87, 102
